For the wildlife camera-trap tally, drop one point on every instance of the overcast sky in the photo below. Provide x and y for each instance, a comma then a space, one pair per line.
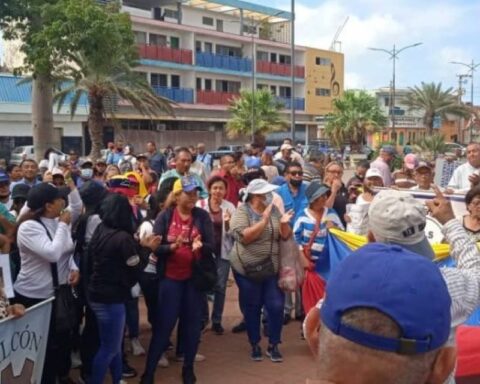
448, 29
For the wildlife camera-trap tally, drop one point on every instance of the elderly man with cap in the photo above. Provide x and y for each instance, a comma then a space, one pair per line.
397, 218
379, 322
467, 175
404, 178
383, 163
423, 176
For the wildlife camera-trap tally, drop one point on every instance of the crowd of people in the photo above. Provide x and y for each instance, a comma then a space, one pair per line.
172, 226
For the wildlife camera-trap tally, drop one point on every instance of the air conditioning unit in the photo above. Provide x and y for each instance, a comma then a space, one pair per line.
157, 13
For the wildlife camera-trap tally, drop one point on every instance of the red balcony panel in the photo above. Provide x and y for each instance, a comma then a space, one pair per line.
280, 69
157, 52
151, 52
215, 98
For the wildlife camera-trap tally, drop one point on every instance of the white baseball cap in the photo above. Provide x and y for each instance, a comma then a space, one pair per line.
398, 218
373, 172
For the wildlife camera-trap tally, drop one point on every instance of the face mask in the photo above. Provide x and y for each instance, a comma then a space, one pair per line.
268, 199
86, 173
296, 183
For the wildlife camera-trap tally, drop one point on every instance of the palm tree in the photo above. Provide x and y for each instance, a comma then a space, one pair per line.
432, 100
355, 115
266, 118
433, 144
102, 85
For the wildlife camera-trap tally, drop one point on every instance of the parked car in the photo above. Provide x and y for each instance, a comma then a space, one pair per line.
454, 147
28, 152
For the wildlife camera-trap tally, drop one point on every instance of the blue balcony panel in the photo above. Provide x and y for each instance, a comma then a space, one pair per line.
298, 103
232, 63
179, 95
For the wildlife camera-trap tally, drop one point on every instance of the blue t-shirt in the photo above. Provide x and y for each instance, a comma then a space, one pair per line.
298, 202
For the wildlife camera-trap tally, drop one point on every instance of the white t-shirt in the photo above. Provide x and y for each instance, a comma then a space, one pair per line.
459, 181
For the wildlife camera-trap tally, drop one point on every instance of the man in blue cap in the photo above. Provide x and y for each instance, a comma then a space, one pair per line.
385, 319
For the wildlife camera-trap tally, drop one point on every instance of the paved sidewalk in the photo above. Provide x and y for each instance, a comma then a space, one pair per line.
228, 356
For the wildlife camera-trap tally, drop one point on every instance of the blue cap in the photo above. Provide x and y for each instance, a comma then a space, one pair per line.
402, 285
4, 178
186, 184
316, 189
253, 162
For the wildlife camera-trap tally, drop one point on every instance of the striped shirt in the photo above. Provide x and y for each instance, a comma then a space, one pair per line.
304, 228
262, 247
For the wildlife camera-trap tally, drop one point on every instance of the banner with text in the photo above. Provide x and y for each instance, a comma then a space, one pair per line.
23, 342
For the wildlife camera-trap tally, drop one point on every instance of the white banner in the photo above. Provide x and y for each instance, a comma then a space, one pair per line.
23, 342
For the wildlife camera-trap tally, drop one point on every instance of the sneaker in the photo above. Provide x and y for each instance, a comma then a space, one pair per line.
128, 371
163, 362
198, 358
274, 353
218, 329
256, 354
240, 327
137, 348
188, 376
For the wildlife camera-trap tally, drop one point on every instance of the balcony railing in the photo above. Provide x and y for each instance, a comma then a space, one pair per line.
179, 95
280, 69
298, 103
159, 52
215, 98
233, 63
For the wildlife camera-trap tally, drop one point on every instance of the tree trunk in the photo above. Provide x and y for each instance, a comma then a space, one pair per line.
259, 139
42, 114
429, 124
96, 121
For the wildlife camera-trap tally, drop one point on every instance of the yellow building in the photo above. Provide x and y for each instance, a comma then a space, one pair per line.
324, 80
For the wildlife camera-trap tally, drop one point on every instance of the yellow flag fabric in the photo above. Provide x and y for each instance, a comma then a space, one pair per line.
353, 241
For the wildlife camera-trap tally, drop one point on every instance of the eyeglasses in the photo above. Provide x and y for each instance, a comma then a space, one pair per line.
296, 173
475, 203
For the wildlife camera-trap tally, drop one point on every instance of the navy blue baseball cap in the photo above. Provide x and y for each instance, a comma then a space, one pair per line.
398, 283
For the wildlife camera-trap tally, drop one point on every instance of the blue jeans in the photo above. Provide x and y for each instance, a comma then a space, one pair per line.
223, 269
256, 295
132, 319
111, 324
176, 299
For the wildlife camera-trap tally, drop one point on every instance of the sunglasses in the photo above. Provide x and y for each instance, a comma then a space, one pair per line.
296, 173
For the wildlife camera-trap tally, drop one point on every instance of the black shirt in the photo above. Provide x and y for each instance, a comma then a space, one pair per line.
115, 263
340, 204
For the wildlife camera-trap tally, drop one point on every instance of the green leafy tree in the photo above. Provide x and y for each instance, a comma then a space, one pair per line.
434, 144
101, 64
260, 109
355, 115
432, 100
25, 20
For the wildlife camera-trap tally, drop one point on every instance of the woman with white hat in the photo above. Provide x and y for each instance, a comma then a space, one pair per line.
257, 227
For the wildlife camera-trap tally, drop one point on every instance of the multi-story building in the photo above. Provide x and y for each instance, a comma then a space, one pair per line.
200, 54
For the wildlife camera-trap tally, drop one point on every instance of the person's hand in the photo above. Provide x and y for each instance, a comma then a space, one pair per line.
197, 243
474, 179
74, 278
287, 216
178, 243
347, 218
65, 217
227, 216
440, 208
336, 185
47, 177
329, 225
5, 243
266, 213
448, 191
16, 310
69, 180
151, 241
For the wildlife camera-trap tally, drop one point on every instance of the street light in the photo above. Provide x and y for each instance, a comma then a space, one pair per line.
394, 55
472, 67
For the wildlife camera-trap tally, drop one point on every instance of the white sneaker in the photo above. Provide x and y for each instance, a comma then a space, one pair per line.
76, 360
198, 358
137, 348
163, 362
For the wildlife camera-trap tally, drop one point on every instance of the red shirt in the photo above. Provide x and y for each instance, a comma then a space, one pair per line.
233, 187
179, 264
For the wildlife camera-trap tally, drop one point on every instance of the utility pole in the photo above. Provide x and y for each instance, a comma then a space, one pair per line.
292, 65
460, 93
394, 56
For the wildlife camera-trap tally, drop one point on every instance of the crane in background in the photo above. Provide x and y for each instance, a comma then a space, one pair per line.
337, 44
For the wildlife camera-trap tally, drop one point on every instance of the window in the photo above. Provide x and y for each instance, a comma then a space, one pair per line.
158, 80
250, 29
227, 86
284, 59
219, 25
387, 101
199, 83
174, 42
207, 47
140, 37
175, 79
262, 56
170, 13
322, 92
262, 86
273, 89
208, 84
322, 61
273, 57
158, 39
207, 21
198, 46
285, 92
228, 51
